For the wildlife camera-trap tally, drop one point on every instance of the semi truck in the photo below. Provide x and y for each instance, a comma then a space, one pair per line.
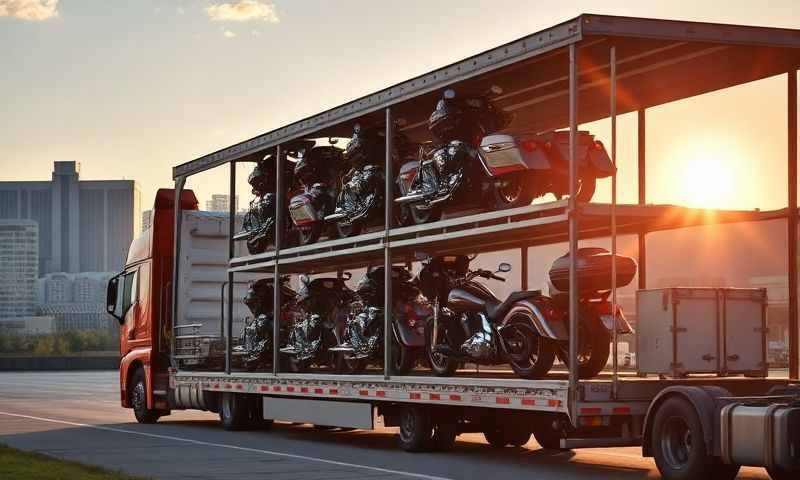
179, 297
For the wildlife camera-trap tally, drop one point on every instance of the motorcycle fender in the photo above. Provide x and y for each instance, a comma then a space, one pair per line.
547, 327
408, 336
501, 153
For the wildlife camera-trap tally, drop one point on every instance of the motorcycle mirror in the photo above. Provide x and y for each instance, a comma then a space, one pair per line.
504, 267
449, 94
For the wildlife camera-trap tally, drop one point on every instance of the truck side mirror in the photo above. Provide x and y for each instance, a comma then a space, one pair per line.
111, 297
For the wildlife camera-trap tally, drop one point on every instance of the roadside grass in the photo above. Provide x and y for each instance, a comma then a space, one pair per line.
18, 465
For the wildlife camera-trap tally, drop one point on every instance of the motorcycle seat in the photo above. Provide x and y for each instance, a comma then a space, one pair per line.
497, 311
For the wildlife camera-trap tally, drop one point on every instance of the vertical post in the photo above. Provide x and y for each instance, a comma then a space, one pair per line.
613, 111
277, 240
180, 182
573, 234
642, 185
388, 199
524, 270
794, 354
231, 253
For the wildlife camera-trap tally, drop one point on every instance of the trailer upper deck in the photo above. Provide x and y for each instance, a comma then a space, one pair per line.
691, 58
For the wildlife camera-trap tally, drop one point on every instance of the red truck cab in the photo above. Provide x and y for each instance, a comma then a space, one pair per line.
139, 297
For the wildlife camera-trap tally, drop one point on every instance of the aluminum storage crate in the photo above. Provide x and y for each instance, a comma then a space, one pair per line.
684, 331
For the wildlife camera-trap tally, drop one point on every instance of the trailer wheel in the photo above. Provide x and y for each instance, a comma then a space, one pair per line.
138, 399
503, 437
256, 413
415, 429
444, 435
679, 448
234, 411
549, 431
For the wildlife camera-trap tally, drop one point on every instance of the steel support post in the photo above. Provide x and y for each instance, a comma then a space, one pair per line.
613, 114
387, 253
573, 234
642, 184
276, 278
794, 354
231, 254
180, 182
523, 284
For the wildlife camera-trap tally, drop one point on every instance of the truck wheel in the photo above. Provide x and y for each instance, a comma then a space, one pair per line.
496, 437
256, 413
444, 436
679, 448
137, 397
234, 411
548, 432
503, 437
415, 429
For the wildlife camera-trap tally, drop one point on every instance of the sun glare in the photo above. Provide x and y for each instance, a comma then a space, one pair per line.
708, 180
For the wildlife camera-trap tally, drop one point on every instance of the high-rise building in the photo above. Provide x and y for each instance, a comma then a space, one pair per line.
19, 262
75, 300
147, 219
219, 203
83, 225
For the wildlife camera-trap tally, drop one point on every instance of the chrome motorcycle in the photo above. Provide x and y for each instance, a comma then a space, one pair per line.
316, 171
324, 303
363, 339
254, 350
258, 225
470, 324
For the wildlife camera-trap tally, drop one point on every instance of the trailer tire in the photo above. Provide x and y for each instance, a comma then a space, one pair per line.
415, 429
138, 399
548, 432
503, 437
234, 411
678, 445
444, 436
256, 413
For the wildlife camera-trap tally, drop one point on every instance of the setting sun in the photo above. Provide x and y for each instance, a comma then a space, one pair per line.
709, 181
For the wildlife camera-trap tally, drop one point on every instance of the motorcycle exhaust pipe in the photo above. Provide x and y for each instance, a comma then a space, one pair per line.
335, 217
415, 197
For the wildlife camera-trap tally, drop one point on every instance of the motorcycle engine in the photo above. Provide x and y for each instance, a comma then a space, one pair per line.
479, 345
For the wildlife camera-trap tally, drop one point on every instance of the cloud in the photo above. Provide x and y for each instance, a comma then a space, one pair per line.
228, 34
242, 11
32, 10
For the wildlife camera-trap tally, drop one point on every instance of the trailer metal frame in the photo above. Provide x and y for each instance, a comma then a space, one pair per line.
592, 66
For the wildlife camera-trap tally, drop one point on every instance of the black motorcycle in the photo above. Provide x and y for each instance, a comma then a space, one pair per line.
316, 171
361, 195
258, 225
254, 350
475, 167
470, 324
595, 319
363, 340
324, 303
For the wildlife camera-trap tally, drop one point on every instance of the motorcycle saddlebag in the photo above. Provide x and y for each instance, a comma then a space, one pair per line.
594, 270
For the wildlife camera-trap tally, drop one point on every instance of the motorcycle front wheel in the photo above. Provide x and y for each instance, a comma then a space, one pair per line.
529, 355
441, 365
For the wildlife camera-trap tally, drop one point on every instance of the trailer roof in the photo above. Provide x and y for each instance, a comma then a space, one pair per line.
658, 61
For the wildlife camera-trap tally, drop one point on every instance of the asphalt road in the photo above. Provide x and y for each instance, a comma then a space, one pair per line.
76, 416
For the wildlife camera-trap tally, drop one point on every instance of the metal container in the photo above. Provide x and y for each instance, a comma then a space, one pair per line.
760, 435
683, 331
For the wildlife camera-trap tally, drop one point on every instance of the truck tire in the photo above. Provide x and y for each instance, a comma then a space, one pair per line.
503, 437
234, 411
444, 435
256, 413
679, 447
415, 429
548, 432
137, 397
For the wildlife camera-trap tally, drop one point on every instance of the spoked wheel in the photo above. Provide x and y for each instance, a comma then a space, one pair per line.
442, 365
679, 448
530, 355
511, 191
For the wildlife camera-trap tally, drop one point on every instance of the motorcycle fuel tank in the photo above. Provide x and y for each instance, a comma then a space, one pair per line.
471, 297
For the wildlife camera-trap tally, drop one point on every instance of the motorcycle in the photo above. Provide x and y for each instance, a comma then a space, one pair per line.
363, 334
255, 341
595, 320
316, 171
258, 225
506, 171
470, 324
362, 191
324, 303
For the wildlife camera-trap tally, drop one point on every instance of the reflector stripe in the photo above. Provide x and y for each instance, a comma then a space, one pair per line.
276, 388
554, 403
265, 388
591, 411
503, 400
415, 396
363, 393
455, 397
333, 391
318, 391
304, 390
621, 410
290, 389
228, 386
434, 396
531, 402
380, 393
239, 386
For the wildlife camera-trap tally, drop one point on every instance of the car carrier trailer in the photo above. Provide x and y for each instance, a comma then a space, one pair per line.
557, 78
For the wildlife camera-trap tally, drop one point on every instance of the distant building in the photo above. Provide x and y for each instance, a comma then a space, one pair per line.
19, 259
40, 325
76, 301
219, 203
147, 220
84, 226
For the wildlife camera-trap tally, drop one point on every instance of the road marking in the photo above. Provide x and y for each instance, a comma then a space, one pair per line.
232, 447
